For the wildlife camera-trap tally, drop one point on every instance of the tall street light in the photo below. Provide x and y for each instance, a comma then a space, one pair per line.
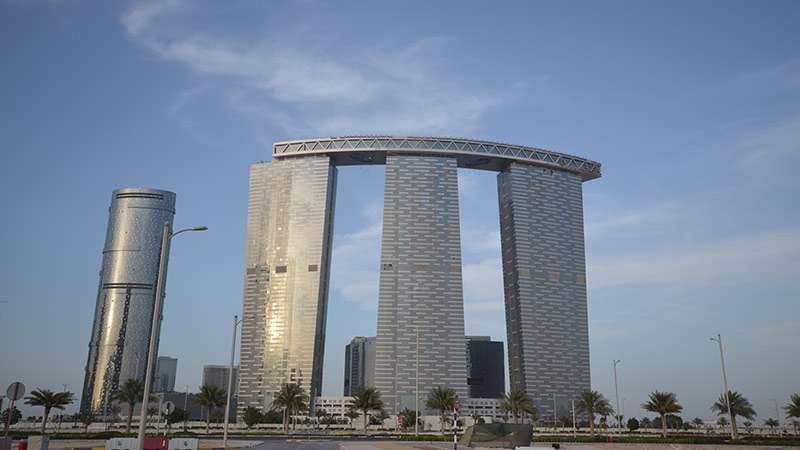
236, 323
734, 434
162, 262
616, 388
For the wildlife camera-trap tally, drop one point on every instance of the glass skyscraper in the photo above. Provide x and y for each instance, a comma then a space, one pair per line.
289, 233
123, 314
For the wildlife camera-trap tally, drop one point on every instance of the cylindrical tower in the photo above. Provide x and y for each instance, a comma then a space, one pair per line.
123, 314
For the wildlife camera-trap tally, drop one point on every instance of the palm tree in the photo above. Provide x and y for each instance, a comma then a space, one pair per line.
382, 415
698, 422
131, 392
722, 421
663, 403
210, 397
366, 400
517, 402
50, 400
793, 407
592, 402
748, 426
114, 410
772, 423
740, 406
443, 399
352, 414
293, 399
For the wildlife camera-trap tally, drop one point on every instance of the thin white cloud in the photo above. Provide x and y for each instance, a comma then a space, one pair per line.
771, 149
483, 281
318, 88
755, 257
786, 334
355, 261
630, 220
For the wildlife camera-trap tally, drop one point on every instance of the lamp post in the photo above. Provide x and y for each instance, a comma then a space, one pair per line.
416, 405
156, 322
236, 323
616, 389
734, 434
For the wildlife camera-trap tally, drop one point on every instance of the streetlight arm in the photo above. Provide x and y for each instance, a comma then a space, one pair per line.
201, 228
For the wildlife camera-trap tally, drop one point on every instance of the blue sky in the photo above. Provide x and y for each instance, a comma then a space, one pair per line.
692, 107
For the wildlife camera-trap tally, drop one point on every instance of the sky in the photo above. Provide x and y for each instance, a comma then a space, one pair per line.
693, 108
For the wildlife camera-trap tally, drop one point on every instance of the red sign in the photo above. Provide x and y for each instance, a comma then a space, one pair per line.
456, 404
399, 419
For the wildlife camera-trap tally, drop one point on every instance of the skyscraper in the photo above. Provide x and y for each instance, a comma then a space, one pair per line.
123, 315
218, 376
544, 277
485, 369
289, 230
166, 371
359, 365
420, 302
420, 306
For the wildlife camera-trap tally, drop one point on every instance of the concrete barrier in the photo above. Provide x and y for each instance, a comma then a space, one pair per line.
121, 444
184, 444
38, 442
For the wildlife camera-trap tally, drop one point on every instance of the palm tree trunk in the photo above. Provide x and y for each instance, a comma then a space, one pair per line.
441, 420
130, 416
44, 418
365, 422
734, 430
286, 421
591, 423
663, 425
515, 417
208, 421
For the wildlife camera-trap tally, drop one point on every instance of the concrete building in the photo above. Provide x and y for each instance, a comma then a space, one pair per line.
218, 376
420, 305
485, 369
359, 365
123, 315
335, 406
166, 370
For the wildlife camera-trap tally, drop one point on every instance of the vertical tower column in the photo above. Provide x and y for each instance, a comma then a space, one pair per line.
420, 282
123, 314
544, 278
289, 234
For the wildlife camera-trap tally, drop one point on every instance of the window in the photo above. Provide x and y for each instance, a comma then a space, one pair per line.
525, 273
581, 279
455, 268
387, 266
280, 269
312, 268
420, 267
555, 276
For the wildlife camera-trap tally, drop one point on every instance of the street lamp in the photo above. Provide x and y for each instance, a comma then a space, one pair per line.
616, 388
236, 323
734, 435
156, 322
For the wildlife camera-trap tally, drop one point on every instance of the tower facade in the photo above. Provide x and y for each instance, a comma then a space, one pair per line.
125, 305
544, 277
289, 231
420, 332
420, 301
166, 371
485, 369
359, 365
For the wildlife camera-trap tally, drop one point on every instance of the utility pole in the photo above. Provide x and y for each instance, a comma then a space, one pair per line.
734, 435
616, 388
